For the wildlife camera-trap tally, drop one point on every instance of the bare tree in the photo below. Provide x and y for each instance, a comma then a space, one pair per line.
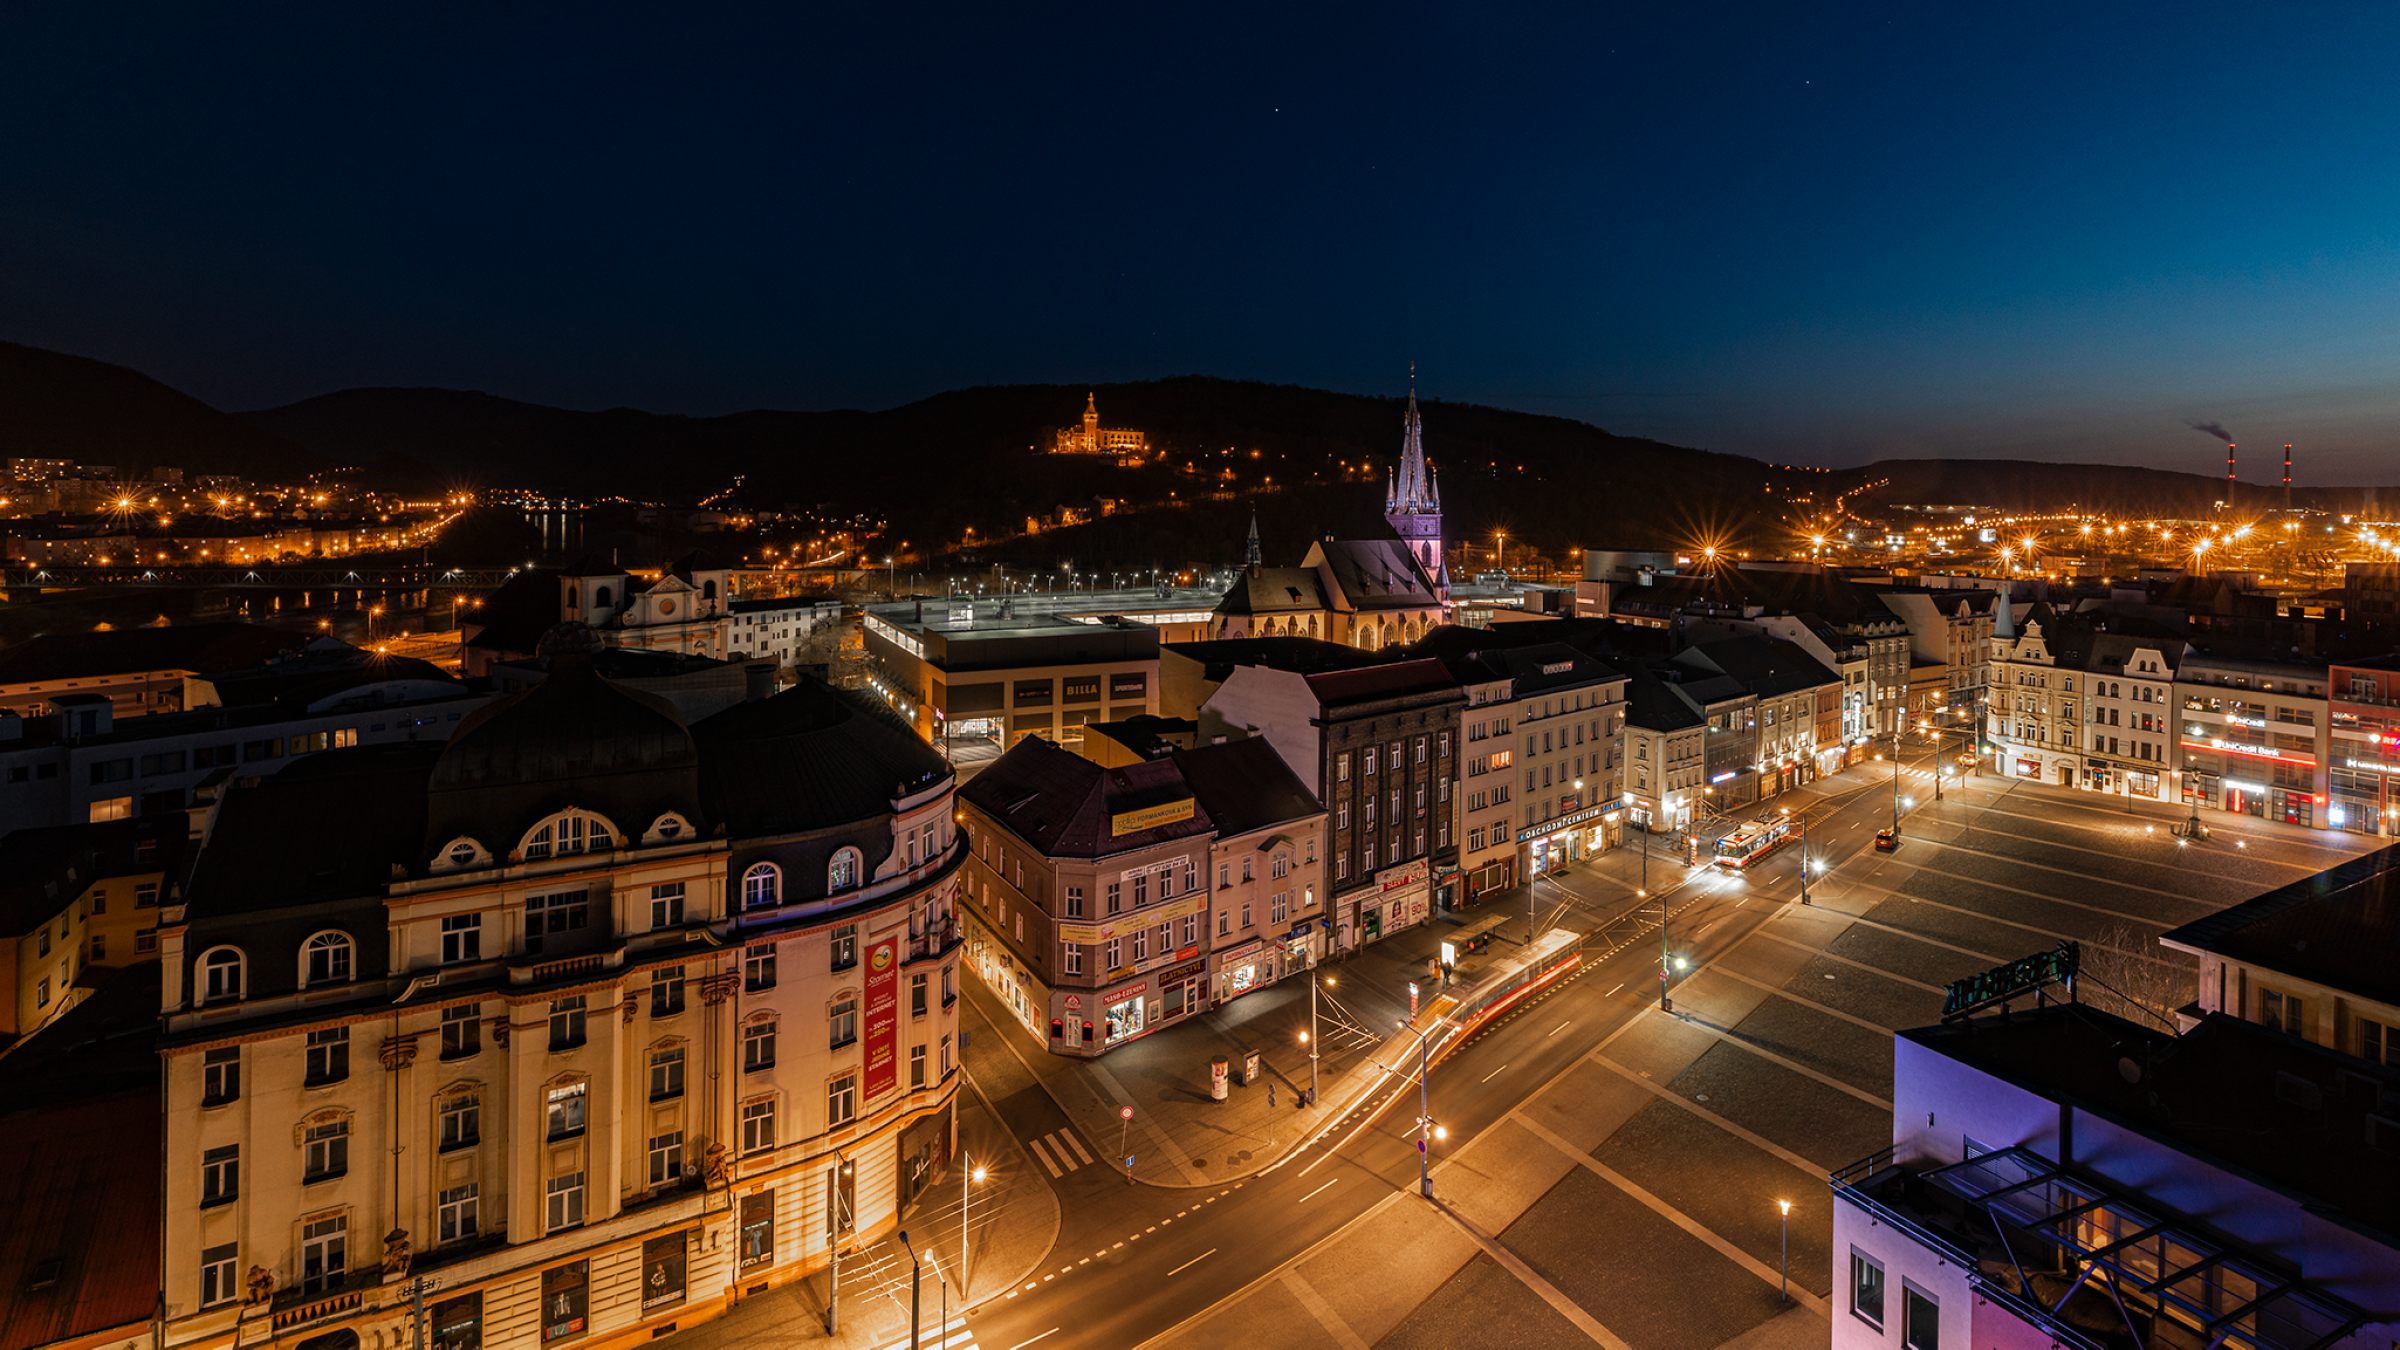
2127, 973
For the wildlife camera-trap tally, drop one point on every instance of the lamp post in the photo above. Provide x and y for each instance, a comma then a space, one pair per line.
1425, 1130
916, 1275
965, 1174
1786, 1207
1311, 1035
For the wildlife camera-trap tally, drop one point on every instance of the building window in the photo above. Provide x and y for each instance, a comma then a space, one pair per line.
1866, 1287
2282, 1012
916, 1066
1072, 960
220, 975
1920, 1327
758, 968
566, 835
945, 1056
565, 1202
916, 996
99, 948
1115, 952
324, 1253
221, 1076
666, 905
1141, 944
220, 1174
1341, 767
328, 1056
462, 1030
843, 872
758, 1126
566, 1023
666, 1158
845, 1022
325, 960
2375, 1042
841, 1100
462, 1121
327, 1150
1074, 902
845, 946
458, 1213
462, 937
666, 1073
1116, 899
566, 1110
762, 886
666, 991
218, 1267
548, 916
758, 1045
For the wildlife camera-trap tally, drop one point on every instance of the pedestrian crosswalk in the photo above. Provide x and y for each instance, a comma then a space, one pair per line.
951, 1336
1060, 1151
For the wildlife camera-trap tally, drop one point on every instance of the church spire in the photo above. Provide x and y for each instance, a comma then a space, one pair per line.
1254, 556
1412, 504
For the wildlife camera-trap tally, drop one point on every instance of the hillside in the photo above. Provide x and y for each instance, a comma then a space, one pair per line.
56, 406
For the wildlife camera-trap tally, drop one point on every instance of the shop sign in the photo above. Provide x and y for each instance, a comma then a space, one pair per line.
2014, 980
1132, 685
1090, 934
1240, 954
1562, 823
1119, 995
566, 1294
1074, 1003
1150, 817
1415, 873
883, 1016
662, 1271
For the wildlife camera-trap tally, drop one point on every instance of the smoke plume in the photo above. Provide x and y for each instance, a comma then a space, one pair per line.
2215, 429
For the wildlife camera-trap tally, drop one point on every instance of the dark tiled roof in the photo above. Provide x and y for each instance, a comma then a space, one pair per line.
1377, 573
199, 647
1061, 803
1765, 667
1334, 688
1298, 654
319, 674
576, 739
810, 757
1654, 705
514, 617
1536, 668
42, 869
1273, 590
1245, 785
589, 565
2339, 928
329, 826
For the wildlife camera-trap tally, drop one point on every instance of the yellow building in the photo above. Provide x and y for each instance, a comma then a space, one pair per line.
78, 903
601, 1020
1131, 448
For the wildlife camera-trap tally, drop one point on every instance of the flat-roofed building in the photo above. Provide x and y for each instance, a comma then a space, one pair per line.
965, 667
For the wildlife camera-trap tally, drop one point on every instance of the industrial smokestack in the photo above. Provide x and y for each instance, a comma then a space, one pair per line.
2229, 467
2287, 475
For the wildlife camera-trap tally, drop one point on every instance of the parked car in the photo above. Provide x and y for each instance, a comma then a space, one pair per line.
1886, 840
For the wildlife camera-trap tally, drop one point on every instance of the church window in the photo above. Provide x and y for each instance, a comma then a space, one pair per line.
602, 596
762, 885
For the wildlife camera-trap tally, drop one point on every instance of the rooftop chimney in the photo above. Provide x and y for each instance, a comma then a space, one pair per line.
758, 681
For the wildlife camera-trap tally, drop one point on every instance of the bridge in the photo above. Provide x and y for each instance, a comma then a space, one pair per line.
310, 576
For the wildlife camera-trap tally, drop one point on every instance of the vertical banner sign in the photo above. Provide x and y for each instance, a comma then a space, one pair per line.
883, 1015
1412, 1000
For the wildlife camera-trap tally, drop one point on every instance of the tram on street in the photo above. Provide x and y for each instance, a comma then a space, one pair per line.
1752, 842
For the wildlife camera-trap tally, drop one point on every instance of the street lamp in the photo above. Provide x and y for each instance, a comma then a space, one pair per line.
1310, 1037
965, 1175
1786, 1207
916, 1274
1425, 1127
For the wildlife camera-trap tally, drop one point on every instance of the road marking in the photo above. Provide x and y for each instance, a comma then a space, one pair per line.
1193, 1262
1494, 1073
1043, 1337
1043, 1156
1073, 1143
1559, 1028
1620, 985
1315, 1193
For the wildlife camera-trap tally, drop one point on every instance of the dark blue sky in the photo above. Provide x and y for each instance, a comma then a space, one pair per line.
1907, 230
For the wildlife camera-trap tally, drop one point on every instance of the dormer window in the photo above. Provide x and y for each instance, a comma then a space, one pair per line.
762, 886
568, 834
842, 873
325, 960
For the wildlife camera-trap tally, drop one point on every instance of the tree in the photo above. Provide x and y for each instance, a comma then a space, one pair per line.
2127, 973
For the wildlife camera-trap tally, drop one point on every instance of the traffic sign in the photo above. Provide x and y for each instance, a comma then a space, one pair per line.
1124, 1113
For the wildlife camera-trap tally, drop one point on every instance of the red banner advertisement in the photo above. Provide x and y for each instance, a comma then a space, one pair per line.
883, 1015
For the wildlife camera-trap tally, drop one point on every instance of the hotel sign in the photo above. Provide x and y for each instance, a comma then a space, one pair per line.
1150, 817
2012, 981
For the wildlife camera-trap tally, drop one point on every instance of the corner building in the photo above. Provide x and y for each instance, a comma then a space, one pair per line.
600, 1020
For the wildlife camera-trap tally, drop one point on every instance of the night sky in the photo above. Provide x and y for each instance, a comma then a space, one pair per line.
1906, 230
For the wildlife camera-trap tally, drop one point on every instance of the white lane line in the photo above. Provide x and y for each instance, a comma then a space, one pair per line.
1044, 1156
1043, 1337
1559, 1028
1057, 1140
1494, 1073
1187, 1265
1076, 1144
1620, 985
1314, 1194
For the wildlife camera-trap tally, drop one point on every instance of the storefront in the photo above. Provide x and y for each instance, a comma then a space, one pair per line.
1012, 984
1242, 969
1552, 844
1400, 896
1182, 990
1300, 946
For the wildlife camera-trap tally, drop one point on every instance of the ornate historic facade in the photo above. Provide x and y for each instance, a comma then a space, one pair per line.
592, 1017
1130, 448
1413, 503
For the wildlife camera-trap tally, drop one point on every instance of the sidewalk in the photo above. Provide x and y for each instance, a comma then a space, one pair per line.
1178, 1136
1015, 1218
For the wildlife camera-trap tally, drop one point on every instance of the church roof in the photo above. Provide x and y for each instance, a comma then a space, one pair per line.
1274, 590
1370, 574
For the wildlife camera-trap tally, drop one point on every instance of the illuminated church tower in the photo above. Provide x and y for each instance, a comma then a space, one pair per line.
1413, 503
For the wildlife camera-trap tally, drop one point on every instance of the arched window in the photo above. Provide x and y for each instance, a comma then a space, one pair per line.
842, 873
601, 597
567, 834
669, 827
221, 975
325, 959
708, 590
571, 601
762, 885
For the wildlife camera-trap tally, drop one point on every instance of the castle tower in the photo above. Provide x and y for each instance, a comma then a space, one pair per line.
1413, 502
1091, 422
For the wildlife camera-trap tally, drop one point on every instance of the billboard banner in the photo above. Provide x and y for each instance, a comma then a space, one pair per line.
883, 1015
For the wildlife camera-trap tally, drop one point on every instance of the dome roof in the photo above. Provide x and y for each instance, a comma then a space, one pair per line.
809, 758
576, 739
